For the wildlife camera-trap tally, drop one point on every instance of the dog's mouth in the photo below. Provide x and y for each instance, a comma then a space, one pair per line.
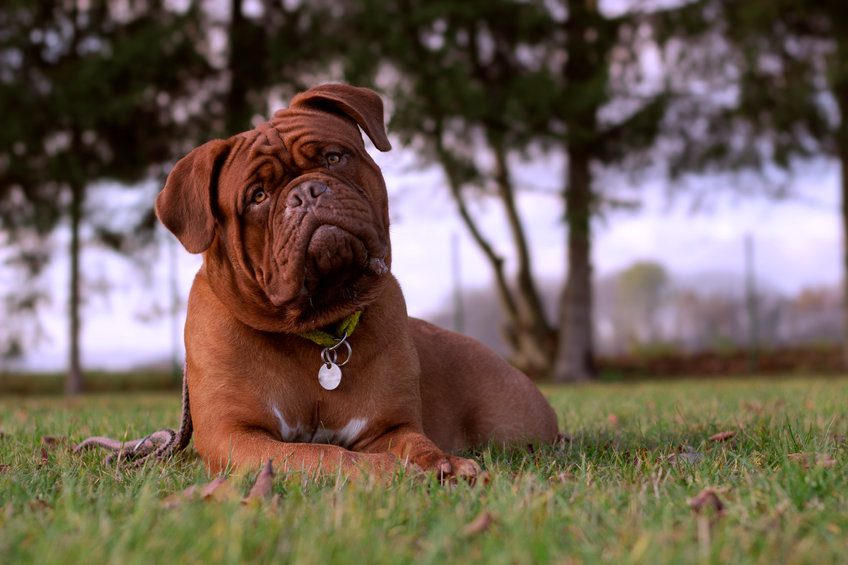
325, 264
336, 258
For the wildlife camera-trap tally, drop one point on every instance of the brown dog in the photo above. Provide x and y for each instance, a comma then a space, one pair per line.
292, 220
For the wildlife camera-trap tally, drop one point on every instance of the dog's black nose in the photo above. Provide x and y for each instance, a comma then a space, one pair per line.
305, 194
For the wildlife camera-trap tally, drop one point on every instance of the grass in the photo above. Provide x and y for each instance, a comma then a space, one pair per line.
618, 492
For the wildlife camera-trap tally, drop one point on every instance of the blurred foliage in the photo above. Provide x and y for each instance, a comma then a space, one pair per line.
766, 82
90, 92
104, 90
480, 85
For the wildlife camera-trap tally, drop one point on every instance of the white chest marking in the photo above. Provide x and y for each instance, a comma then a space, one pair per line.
287, 432
344, 437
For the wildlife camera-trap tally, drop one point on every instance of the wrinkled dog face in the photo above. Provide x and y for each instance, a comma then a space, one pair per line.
292, 217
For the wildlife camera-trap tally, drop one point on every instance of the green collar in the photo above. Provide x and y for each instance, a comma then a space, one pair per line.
326, 339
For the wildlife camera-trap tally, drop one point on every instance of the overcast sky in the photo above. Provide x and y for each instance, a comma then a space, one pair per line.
797, 245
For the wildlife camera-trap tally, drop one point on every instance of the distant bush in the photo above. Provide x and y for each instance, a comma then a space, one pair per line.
667, 362
95, 382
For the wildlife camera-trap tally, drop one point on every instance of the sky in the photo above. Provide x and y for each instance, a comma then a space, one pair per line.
797, 244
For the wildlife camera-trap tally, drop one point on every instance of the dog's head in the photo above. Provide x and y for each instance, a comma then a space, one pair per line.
292, 216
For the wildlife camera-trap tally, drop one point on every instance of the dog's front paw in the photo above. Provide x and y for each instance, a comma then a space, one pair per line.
446, 466
464, 468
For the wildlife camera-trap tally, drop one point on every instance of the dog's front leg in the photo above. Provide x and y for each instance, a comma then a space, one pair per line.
246, 449
412, 446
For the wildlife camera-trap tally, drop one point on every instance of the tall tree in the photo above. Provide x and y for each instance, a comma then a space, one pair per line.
765, 86
91, 91
480, 84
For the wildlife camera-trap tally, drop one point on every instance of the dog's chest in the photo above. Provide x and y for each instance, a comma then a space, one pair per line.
299, 432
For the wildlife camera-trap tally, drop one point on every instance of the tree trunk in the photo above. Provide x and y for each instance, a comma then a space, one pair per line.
534, 339
574, 360
842, 149
840, 91
237, 110
575, 352
843, 157
74, 380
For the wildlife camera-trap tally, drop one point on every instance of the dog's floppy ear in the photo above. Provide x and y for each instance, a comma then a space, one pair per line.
362, 104
185, 204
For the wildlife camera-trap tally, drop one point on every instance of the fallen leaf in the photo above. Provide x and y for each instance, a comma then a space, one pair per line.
812, 459
43, 459
53, 441
707, 498
177, 498
479, 524
722, 436
261, 489
39, 504
218, 489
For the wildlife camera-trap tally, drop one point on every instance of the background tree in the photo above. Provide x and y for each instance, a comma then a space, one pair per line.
457, 91
91, 92
764, 85
477, 86
639, 296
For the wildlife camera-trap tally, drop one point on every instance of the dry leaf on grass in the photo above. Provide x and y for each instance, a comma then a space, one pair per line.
707, 498
38, 504
43, 458
53, 441
261, 489
479, 524
178, 498
812, 459
722, 436
218, 489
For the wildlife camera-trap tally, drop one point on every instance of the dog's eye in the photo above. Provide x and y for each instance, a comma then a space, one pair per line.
259, 196
333, 158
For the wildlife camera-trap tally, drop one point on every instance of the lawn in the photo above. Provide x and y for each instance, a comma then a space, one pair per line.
638, 481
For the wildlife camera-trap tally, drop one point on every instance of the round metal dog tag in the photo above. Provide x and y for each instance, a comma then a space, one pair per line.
329, 376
